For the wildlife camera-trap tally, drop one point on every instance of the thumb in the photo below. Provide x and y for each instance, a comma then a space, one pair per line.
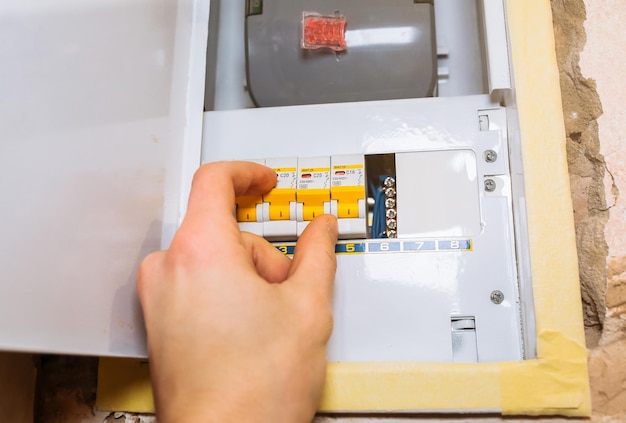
314, 261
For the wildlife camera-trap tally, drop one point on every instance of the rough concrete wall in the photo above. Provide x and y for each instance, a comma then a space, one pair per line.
581, 109
603, 59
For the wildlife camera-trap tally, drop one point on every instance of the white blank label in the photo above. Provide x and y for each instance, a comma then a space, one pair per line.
437, 194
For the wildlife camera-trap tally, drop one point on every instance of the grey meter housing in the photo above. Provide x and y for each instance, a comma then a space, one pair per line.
391, 52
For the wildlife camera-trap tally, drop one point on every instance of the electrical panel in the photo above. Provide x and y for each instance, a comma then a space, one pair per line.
422, 180
443, 251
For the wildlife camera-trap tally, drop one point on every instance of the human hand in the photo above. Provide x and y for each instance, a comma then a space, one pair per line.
237, 331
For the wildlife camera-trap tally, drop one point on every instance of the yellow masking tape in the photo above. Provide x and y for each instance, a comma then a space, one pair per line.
554, 383
406, 386
124, 385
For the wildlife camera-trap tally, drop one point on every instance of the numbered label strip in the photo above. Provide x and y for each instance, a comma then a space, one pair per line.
361, 247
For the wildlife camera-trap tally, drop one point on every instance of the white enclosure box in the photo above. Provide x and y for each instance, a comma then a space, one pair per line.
97, 169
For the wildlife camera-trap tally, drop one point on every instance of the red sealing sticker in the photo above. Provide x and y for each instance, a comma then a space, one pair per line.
320, 31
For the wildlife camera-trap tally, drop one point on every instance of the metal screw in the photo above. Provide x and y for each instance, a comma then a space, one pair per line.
497, 297
392, 234
490, 156
391, 223
390, 203
490, 185
390, 192
391, 213
389, 181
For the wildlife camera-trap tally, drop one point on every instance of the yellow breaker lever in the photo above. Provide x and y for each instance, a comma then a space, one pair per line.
279, 200
348, 200
313, 202
246, 208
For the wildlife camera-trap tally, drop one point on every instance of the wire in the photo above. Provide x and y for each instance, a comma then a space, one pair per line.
379, 220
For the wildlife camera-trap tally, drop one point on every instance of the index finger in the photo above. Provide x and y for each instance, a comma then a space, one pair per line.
210, 211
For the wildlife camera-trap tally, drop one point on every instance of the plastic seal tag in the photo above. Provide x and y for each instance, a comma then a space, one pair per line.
319, 31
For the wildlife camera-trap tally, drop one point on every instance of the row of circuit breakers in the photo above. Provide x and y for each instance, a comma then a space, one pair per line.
306, 188
311, 186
